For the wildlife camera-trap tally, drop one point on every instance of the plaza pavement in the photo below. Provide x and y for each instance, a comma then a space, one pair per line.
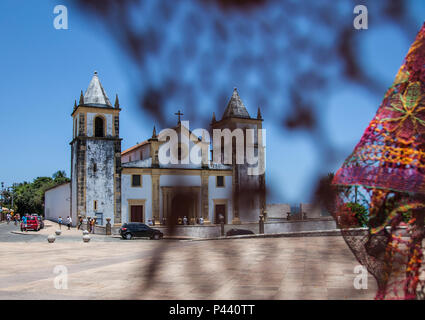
267, 268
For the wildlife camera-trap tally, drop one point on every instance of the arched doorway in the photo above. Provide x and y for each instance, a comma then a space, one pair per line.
182, 205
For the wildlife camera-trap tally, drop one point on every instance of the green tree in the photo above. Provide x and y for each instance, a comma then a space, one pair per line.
29, 197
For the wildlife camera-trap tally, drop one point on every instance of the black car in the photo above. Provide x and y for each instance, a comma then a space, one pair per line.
237, 232
131, 230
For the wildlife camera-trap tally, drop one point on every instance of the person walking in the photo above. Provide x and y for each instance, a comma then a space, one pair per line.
69, 222
24, 223
92, 223
80, 223
60, 222
8, 218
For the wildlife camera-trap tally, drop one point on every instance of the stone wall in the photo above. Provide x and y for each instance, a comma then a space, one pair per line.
277, 210
288, 226
311, 211
211, 231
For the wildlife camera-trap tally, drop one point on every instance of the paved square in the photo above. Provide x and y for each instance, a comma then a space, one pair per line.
268, 268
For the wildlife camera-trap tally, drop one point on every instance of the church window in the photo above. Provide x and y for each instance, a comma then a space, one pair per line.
99, 127
220, 182
136, 180
95, 205
94, 167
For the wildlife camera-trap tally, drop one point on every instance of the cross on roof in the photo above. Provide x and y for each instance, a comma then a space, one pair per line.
179, 114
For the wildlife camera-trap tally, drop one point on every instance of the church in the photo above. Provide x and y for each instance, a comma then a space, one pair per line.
135, 185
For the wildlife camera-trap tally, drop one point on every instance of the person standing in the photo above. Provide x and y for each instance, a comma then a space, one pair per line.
60, 222
184, 220
8, 218
69, 222
92, 223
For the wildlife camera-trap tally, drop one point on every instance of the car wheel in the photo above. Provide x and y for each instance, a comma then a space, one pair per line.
129, 236
156, 236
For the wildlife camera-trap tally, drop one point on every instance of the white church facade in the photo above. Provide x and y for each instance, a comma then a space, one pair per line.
134, 185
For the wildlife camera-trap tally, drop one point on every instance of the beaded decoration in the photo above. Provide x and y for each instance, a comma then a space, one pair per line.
380, 202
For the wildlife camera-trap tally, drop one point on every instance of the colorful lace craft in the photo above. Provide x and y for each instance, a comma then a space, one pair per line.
381, 186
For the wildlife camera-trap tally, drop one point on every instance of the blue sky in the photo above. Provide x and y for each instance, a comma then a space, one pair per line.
44, 69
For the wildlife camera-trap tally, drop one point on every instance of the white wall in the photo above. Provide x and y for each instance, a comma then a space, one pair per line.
129, 192
220, 193
278, 210
100, 184
57, 202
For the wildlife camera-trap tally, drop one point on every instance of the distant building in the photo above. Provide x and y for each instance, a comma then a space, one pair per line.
134, 186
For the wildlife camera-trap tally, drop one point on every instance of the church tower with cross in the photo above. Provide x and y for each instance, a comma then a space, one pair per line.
136, 185
155, 191
96, 156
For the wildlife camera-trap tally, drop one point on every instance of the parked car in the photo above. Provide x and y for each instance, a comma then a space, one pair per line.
238, 232
131, 230
32, 224
41, 222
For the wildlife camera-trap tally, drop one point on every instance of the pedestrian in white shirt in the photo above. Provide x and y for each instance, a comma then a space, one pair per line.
69, 222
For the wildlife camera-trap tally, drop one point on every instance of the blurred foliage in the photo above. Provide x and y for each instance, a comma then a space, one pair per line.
360, 212
287, 57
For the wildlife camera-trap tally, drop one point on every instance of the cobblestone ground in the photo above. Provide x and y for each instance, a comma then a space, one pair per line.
269, 268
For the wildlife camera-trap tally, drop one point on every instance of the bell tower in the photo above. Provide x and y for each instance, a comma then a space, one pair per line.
96, 156
249, 196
